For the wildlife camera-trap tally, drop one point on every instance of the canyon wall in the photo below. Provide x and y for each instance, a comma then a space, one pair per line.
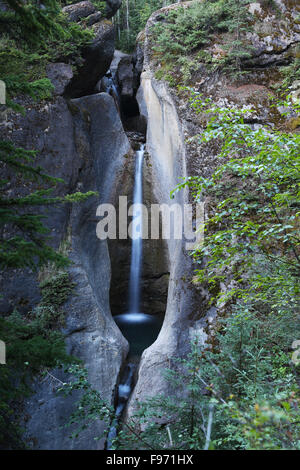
81, 139
170, 121
99, 146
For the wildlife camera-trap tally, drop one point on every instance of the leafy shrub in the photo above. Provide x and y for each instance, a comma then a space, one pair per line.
56, 290
185, 30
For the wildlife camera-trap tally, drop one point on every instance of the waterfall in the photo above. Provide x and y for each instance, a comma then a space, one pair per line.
109, 86
140, 329
137, 234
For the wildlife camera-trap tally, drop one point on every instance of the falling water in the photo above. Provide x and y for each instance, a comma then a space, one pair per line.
109, 86
124, 391
140, 329
137, 232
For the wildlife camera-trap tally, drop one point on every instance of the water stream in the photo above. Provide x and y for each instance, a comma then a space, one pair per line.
124, 391
137, 235
140, 329
110, 87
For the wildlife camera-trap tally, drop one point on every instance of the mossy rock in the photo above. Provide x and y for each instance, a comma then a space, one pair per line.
294, 123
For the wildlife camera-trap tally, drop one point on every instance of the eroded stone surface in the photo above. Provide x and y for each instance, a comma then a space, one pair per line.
85, 145
96, 60
170, 121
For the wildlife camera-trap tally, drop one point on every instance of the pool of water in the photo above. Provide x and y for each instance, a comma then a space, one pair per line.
140, 330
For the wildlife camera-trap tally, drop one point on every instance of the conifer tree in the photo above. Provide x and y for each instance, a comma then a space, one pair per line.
25, 243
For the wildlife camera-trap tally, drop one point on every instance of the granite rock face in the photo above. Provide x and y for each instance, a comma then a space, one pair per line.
96, 60
84, 143
170, 121
60, 75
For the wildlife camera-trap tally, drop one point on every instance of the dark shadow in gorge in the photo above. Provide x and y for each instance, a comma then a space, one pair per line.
142, 328
140, 332
155, 272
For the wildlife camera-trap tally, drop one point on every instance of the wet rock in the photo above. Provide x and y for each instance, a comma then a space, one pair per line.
118, 55
125, 75
126, 70
122, 71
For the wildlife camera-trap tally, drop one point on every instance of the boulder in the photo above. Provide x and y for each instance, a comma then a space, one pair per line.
60, 75
96, 61
118, 55
125, 75
112, 7
79, 10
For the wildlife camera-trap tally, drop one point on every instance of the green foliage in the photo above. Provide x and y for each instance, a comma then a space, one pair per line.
34, 37
100, 5
131, 18
27, 241
292, 72
38, 25
239, 392
31, 37
186, 30
56, 290
90, 407
33, 342
256, 220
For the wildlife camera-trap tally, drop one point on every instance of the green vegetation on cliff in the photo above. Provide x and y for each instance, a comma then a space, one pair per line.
31, 37
180, 36
33, 345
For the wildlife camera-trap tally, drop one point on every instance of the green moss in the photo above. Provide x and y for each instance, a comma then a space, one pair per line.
294, 123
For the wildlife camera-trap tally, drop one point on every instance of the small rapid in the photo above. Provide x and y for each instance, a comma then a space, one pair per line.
124, 391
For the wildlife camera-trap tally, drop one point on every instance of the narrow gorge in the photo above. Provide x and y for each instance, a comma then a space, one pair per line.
127, 127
